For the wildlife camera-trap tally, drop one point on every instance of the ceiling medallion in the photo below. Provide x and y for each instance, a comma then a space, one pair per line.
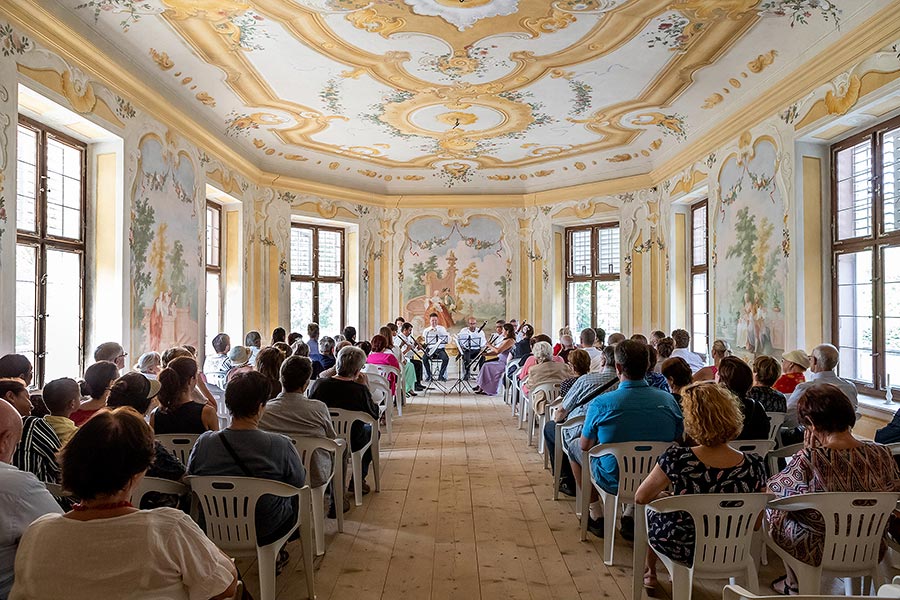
463, 14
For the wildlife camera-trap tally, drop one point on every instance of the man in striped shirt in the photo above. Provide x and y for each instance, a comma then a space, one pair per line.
36, 453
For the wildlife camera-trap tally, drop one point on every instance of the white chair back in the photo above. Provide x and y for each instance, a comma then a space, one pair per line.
179, 444
343, 422
558, 450
737, 592
776, 420
759, 447
785, 452
159, 485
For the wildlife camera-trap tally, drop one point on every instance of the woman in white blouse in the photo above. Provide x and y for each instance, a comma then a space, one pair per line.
107, 548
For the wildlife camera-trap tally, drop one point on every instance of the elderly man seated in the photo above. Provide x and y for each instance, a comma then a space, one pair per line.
822, 362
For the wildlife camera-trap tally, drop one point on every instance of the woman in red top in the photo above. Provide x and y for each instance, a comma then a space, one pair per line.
793, 365
98, 379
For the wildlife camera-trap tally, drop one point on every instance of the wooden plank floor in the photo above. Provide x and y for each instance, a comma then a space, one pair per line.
466, 510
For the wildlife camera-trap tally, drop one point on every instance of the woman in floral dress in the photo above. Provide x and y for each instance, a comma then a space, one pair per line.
712, 418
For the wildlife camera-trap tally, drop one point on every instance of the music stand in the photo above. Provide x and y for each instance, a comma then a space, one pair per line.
462, 379
435, 339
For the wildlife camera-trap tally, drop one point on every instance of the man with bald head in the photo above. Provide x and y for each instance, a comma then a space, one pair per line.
22, 497
822, 362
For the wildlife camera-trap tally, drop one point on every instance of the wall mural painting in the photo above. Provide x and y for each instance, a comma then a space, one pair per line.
166, 257
454, 269
749, 256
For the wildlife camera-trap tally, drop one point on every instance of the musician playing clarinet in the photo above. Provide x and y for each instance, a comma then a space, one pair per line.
471, 340
436, 338
409, 350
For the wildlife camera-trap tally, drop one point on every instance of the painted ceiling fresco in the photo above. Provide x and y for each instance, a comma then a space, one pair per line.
466, 96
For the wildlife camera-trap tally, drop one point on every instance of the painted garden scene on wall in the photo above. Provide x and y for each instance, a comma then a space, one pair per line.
750, 251
454, 269
165, 250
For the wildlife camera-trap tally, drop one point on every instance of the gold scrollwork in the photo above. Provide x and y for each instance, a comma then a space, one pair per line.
553, 22
839, 105
369, 20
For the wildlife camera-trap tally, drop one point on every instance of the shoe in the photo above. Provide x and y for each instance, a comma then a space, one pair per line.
443, 379
476, 389
567, 488
346, 507
365, 487
627, 529
595, 526
282, 561
420, 388
781, 586
411, 393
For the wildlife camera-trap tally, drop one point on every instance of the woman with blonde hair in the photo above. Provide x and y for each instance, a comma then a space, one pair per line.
720, 349
712, 418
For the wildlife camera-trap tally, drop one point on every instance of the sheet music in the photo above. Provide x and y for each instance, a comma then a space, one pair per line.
436, 338
470, 340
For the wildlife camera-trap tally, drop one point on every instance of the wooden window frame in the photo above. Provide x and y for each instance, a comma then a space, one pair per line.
595, 275
700, 269
42, 241
217, 268
315, 278
876, 241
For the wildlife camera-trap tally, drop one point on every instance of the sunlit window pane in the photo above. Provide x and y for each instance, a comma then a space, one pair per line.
890, 181
608, 251
213, 236
579, 309
855, 334
301, 251
329, 253
26, 257
698, 236
213, 307
580, 252
330, 307
609, 306
699, 315
891, 262
26, 179
63, 190
854, 191
302, 305
63, 314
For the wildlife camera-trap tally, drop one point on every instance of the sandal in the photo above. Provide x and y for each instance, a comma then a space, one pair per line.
781, 586
650, 583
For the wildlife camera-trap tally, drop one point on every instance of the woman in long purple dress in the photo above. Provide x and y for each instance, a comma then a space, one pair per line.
491, 374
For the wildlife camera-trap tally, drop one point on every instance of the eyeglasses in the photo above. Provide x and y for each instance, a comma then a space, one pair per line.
123, 355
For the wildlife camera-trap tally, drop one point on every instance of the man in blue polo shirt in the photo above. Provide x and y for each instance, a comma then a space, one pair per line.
634, 412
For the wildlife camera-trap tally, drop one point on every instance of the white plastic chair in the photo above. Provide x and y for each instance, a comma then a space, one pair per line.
306, 447
890, 590
229, 509
776, 420
508, 387
179, 444
558, 450
383, 371
343, 420
785, 452
758, 447
635, 460
156, 484
723, 536
854, 527
551, 392
736, 592
380, 388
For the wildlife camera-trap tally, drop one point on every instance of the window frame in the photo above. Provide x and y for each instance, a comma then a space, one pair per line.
876, 241
42, 241
595, 275
700, 269
217, 268
314, 277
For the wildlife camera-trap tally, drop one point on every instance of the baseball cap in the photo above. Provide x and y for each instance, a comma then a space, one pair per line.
132, 385
797, 356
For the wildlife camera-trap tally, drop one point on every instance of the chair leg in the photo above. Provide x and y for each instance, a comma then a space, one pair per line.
682, 582
356, 463
752, 578
267, 557
809, 578
610, 510
337, 489
376, 463
307, 543
318, 515
542, 422
585, 500
557, 462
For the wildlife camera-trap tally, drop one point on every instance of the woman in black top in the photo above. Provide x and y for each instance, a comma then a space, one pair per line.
523, 346
177, 412
737, 377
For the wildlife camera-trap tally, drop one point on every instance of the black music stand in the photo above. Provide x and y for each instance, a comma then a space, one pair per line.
434, 379
462, 379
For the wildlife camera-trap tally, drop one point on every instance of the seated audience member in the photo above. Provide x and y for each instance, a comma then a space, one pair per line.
243, 450
278, 335
601, 341
823, 361
62, 397
344, 392
587, 337
829, 454
293, 337
654, 379
138, 392
765, 373
149, 364
793, 366
36, 452
634, 412
269, 364
238, 362
350, 334
300, 348
177, 412
339, 338
737, 377
381, 355
326, 359
711, 420
545, 370
720, 349
284, 348
112, 352
201, 393
655, 337
575, 404
531, 360
615, 338
678, 375
312, 334
492, 371
522, 348
640, 338
23, 498
332, 370
97, 380
365, 346
664, 349
682, 341
291, 412
215, 367
92, 550
563, 333
580, 361
16, 366
567, 344
253, 343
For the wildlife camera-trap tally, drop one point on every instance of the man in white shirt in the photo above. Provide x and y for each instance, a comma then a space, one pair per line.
682, 341
409, 350
436, 338
588, 337
470, 340
22, 497
822, 362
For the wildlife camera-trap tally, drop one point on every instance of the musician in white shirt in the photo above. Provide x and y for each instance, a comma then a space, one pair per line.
436, 338
470, 340
408, 348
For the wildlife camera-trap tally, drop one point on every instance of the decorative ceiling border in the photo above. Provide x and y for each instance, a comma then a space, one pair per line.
869, 37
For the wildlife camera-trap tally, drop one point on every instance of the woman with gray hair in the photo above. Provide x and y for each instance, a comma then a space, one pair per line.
544, 370
344, 392
149, 365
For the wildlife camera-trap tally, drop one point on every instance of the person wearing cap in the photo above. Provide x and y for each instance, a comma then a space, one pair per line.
822, 361
149, 365
238, 362
793, 365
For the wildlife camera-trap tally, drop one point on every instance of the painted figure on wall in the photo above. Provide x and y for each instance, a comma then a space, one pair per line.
750, 263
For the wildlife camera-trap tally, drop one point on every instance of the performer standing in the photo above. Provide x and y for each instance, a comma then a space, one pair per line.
436, 338
470, 340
